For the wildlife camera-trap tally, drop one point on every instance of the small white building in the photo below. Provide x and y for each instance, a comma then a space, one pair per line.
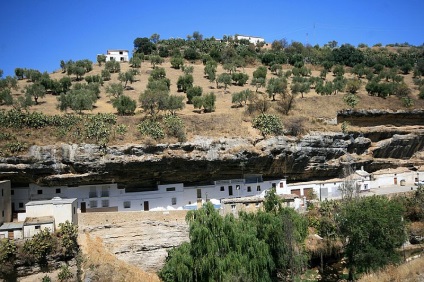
34, 225
5, 202
117, 55
252, 39
61, 210
12, 230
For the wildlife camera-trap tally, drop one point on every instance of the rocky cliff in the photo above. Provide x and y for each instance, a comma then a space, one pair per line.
315, 156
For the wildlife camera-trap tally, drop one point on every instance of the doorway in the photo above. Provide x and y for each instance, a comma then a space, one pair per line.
83, 207
146, 205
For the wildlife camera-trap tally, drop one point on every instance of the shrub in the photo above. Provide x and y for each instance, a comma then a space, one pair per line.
151, 128
193, 92
268, 124
175, 127
124, 105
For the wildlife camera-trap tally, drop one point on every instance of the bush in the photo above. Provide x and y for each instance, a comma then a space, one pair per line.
151, 128
175, 127
193, 92
268, 124
124, 105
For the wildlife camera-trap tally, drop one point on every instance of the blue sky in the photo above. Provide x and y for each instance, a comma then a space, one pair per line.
38, 34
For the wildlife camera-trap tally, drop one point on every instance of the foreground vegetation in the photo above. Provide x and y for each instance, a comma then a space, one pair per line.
270, 245
43, 249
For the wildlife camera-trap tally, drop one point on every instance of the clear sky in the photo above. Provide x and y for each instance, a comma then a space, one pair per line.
39, 33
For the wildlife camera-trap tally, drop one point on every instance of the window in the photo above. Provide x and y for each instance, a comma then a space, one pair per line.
75, 211
2, 192
105, 191
258, 188
121, 53
37, 227
257, 204
170, 189
233, 207
274, 185
39, 192
246, 204
105, 203
12, 192
127, 204
21, 205
58, 191
199, 193
93, 192
249, 189
174, 201
93, 204
222, 188
237, 187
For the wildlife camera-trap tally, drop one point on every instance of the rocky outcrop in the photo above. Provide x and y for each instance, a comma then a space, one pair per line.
314, 156
363, 117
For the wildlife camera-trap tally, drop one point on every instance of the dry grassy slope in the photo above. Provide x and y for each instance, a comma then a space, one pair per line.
225, 121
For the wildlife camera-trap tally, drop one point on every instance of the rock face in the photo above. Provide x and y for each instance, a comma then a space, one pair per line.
378, 117
314, 156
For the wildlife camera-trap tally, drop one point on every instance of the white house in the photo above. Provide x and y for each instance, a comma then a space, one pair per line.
48, 213
117, 55
252, 39
109, 197
5, 202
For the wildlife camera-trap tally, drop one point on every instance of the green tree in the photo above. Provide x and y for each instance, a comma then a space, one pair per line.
210, 70
276, 86
19, 72
268, 124
258, 82
105, 75
125, 77
77, 100
101, 59
241, 97
174, 103
124, 105
300, 87
135, 62
115, 89
373, 228
112, 66
155, 60
184, 82
35, 91
239, 78
177, 62
224, 78
154, 98
353, 85
193, 92
6, 96
68, 234
144, 45
338, 70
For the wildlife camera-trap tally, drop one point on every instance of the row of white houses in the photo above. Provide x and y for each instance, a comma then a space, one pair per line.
35, 207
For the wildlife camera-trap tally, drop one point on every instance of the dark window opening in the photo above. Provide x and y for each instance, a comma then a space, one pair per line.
249, 189
222, 188
58, 191
39, 192
21, 205
170, 189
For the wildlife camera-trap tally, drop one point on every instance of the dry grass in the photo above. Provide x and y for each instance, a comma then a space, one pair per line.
410, 271
106, 267
225, 121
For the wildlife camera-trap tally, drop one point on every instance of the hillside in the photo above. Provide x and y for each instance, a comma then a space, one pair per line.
227, 120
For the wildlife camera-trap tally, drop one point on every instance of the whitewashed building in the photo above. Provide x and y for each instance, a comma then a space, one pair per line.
109, 197
117, 55
12, 230
33, 225
252, 39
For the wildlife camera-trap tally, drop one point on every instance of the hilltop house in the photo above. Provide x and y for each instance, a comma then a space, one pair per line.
117, 55
252, 39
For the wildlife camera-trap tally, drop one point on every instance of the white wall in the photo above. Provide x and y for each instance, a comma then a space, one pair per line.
20, 197
114, 55
252, 39
60, 211
30, 231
